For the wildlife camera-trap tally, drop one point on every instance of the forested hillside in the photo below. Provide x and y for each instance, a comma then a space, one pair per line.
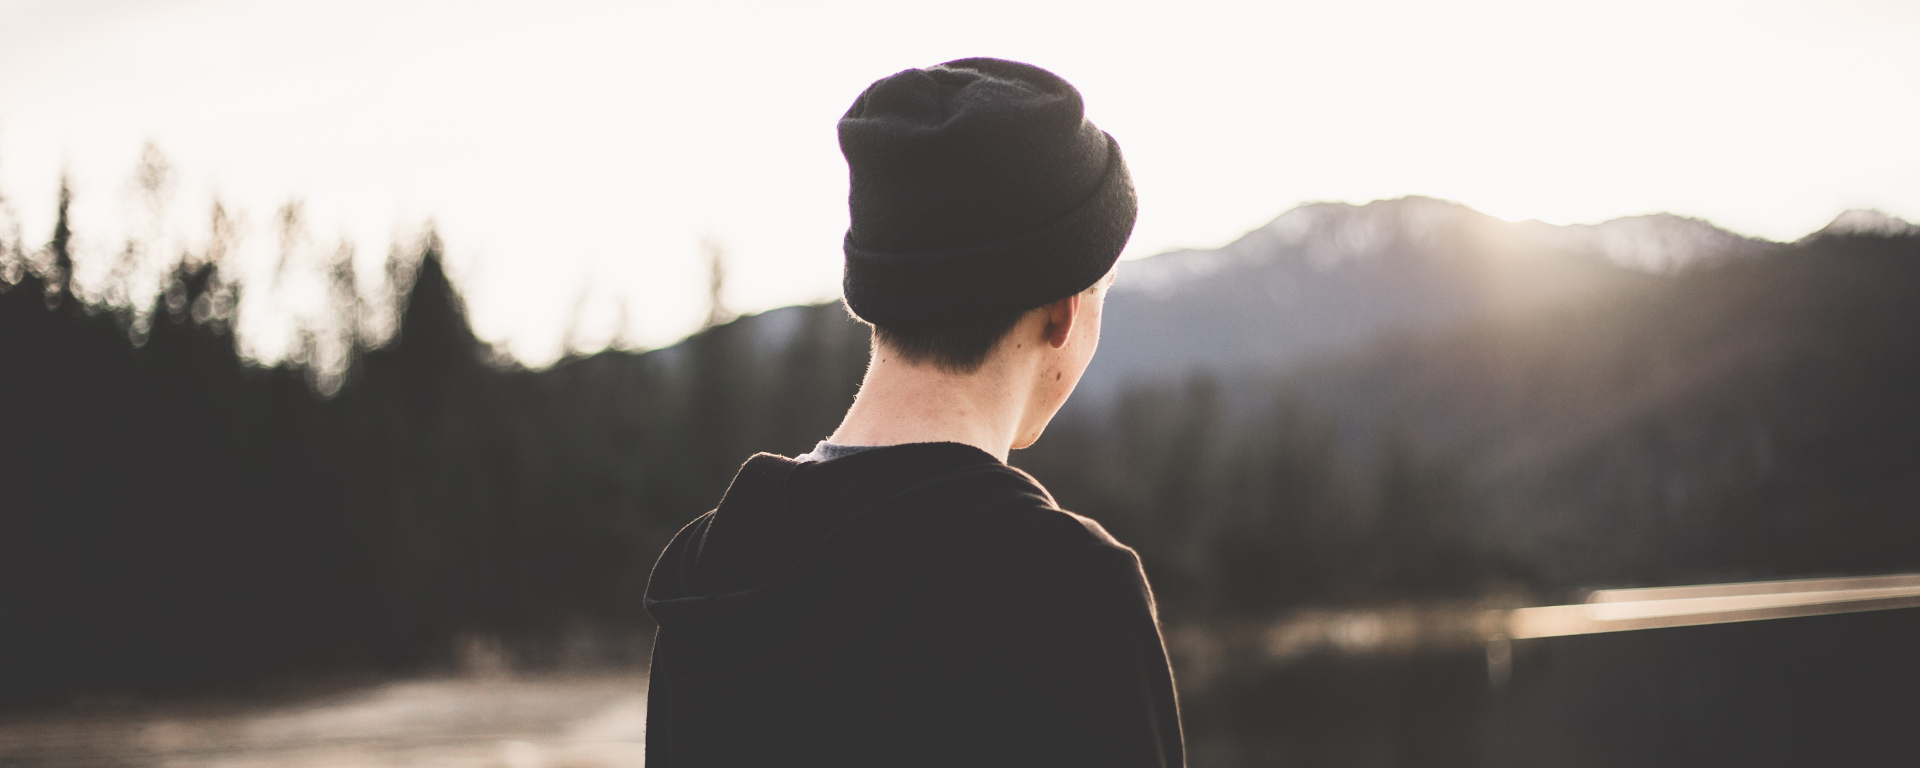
173, 515
1748, 418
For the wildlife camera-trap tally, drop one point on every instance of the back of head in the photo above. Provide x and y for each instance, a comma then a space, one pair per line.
978, 191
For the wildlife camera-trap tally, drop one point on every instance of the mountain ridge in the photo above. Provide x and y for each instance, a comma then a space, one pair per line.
1327, 275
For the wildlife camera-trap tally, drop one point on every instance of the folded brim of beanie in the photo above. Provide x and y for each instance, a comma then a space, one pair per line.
931, 290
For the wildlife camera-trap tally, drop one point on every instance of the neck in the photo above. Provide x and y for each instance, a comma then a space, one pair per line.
901, 402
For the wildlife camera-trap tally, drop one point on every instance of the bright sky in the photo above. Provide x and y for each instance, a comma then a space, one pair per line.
577, 152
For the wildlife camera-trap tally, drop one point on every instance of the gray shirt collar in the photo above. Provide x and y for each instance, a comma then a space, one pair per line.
826, 451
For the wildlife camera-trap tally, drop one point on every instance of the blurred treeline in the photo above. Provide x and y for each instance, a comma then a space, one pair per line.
175, 515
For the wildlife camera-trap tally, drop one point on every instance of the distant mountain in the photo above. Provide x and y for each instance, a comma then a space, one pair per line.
1660, 242
1865, 222
1328, 275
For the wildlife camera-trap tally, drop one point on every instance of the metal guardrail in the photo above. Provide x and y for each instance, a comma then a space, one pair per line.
1414, 628
1619, 610
1622, 610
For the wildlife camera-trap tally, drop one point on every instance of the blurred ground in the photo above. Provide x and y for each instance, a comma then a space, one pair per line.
572, 721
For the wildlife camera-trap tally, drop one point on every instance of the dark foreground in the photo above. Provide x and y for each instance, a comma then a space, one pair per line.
1827, 690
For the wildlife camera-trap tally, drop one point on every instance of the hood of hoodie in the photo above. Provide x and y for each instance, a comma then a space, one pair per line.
781, 522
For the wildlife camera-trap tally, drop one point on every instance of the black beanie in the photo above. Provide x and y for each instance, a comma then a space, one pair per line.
977, 188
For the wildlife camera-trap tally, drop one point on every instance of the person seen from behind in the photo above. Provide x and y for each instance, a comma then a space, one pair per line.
900, 596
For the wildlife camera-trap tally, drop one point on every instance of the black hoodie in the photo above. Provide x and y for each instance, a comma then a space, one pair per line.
915, 605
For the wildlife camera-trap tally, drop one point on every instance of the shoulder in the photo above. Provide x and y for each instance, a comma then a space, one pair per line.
1051, 525
1021, 513
1053, 561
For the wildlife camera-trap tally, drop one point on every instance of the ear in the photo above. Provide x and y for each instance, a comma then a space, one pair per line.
1060, 317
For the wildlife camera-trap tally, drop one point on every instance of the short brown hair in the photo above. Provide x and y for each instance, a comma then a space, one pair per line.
957, 347
960, 346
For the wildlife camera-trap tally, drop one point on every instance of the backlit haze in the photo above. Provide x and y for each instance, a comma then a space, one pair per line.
575, 156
